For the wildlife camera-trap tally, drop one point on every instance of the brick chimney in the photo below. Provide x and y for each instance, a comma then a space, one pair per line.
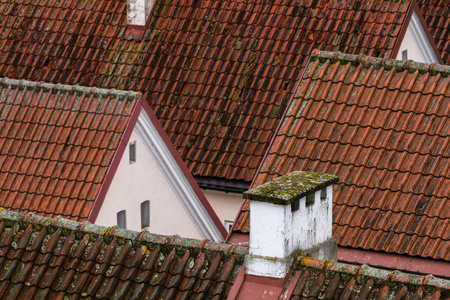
292, 213
138, 13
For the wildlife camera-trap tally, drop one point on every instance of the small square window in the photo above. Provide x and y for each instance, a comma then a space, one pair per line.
132, 148
122, 219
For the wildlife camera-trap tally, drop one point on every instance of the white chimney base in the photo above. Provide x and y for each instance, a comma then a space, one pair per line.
267, 266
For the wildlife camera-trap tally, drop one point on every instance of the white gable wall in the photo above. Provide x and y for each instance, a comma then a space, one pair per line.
140, 181
417, 44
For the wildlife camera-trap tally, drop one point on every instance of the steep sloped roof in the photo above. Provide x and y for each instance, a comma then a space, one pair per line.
437, 15
218, 74
56, 258
383, 126
57, 143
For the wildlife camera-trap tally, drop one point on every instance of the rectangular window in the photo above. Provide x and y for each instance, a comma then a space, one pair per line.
145, 214
405, 55
132, 148
323, 194
122, 219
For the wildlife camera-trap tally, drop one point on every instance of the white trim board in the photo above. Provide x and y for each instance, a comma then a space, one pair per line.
421, 39
176, 178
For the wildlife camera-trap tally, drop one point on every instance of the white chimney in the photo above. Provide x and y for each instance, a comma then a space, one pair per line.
138, 11
290, 214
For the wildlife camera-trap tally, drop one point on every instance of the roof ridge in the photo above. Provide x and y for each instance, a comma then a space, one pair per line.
14, 83
377, 273
142, 237
387, 63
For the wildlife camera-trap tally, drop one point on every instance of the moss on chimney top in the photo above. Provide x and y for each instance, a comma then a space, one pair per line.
288, 188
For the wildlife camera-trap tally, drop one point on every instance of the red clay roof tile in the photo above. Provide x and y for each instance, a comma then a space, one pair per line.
56, 144
42, 257
436, 15
244, 57
382, 128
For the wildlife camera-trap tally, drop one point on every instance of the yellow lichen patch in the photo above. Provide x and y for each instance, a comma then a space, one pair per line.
106, 231
145, 249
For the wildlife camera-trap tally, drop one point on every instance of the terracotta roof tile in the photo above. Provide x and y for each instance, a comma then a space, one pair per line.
331, 280
382, 126
56, 144
436, 15
231, 64
60, 258
43, 257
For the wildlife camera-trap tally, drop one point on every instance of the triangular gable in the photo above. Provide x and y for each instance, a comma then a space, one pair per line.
177, 205
416, 41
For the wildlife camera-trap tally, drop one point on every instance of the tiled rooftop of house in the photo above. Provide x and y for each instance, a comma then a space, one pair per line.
56, 258
315, 279
437, 16
218, 74
50, 258
382, 126
56, 144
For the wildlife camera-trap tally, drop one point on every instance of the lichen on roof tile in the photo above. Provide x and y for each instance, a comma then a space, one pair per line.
381, 125
249, 70
48, 125
286, 189
128, 263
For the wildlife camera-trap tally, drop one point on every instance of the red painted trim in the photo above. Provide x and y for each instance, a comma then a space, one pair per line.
237, 284
395, 261
402, 33
183, 168
427, 31
291, 286
115, 161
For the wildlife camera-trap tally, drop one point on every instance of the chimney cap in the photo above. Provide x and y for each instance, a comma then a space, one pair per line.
286, 189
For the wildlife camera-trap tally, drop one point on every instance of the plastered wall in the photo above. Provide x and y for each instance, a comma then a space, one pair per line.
226, 205
143, 180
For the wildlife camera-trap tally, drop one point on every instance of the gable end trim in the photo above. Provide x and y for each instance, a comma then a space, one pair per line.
176, 178
422, 39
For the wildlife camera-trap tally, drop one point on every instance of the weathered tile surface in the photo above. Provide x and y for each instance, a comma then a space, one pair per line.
437, 16
42, 258
56, 144
383, 127
218, 74
315, 279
